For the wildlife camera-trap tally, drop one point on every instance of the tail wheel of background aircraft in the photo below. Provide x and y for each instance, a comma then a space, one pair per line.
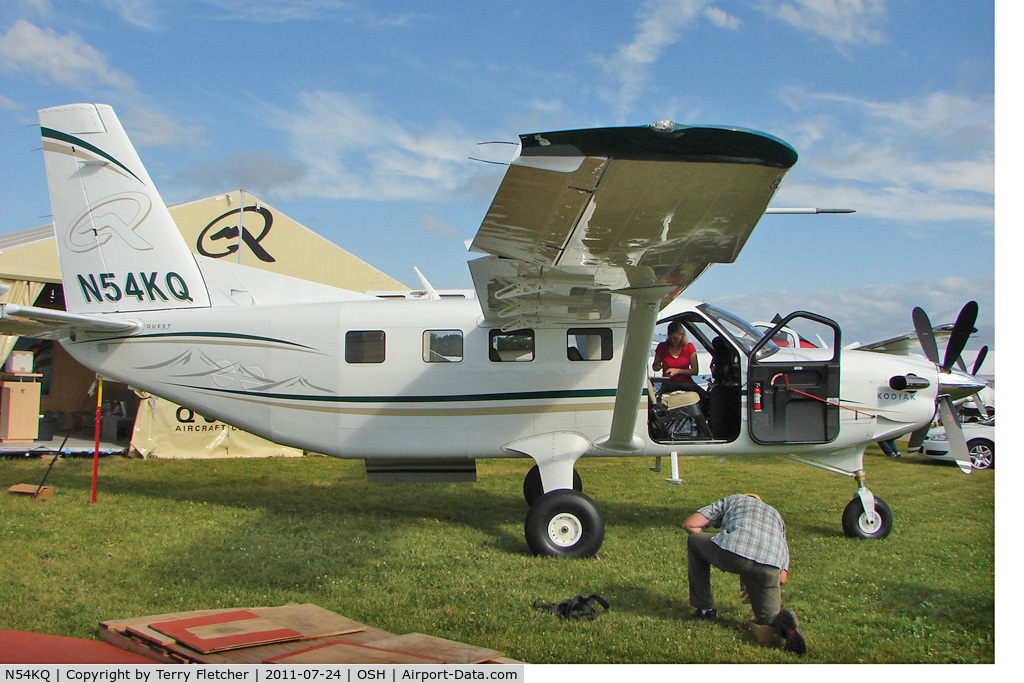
857, 525
534, 489
564, 523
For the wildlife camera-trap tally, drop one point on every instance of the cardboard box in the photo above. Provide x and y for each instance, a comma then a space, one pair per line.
19, 362
19, 411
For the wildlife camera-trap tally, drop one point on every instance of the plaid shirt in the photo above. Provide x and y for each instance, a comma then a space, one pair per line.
749, 528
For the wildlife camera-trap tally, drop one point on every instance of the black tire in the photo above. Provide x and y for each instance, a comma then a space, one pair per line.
564, 523
534, 489
856, 524
983, 454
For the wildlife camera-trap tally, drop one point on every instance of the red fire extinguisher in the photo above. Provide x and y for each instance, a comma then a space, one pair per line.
757, 397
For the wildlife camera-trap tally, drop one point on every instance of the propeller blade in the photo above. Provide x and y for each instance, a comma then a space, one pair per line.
925, 334
980, 359
918, 437
963, 328
976, 397
980, 405
954, 435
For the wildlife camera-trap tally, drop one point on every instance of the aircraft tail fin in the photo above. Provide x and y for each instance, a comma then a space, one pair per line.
119, 248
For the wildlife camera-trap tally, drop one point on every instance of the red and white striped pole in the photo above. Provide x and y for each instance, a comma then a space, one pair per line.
96, 452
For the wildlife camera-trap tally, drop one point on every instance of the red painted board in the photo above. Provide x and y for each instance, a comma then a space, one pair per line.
224, 631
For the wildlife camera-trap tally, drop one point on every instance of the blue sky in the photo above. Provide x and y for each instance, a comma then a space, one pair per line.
358, 118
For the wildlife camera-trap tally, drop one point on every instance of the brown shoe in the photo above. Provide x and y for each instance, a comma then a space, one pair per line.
787, 625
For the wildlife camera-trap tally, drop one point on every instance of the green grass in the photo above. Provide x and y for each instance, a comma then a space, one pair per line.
450, 559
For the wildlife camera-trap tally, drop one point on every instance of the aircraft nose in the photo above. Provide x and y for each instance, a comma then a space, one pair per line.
958, 385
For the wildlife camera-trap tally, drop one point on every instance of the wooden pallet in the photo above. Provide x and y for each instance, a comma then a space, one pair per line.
289, 634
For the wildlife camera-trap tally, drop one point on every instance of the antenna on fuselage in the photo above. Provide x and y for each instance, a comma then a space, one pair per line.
429, 288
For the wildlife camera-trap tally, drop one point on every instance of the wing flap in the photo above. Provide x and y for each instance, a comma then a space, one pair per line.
534, 210
44, 323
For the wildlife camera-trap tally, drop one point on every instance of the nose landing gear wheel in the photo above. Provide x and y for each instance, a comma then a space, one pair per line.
564, 523
856, 523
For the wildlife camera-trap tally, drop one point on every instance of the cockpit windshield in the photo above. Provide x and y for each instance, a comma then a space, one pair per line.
742, 332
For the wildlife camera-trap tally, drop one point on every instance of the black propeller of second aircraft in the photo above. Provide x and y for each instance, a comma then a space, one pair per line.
962, 330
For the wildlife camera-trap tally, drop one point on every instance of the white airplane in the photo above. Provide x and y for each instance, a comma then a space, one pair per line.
590, 235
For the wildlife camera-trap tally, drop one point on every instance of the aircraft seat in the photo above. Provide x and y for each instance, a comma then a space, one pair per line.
676, 415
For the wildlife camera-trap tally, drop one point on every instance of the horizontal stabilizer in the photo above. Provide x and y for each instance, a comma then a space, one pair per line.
44, 323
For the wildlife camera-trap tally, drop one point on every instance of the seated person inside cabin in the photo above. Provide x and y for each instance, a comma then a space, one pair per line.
676, 359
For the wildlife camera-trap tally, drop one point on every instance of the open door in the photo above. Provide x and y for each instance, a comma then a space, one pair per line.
794, 401
716, 416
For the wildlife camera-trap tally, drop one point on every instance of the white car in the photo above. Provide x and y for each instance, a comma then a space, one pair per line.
981, 443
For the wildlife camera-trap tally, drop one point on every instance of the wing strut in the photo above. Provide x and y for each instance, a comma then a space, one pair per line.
644, 306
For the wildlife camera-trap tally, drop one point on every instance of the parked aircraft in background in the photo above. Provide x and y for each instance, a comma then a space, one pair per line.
788, 338
590, 235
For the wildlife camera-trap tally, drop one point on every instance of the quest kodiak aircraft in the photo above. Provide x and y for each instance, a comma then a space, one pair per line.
590, 235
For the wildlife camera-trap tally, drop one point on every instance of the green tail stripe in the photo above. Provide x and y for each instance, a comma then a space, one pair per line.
72, 140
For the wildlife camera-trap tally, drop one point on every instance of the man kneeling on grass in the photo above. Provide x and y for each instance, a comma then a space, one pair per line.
751, 543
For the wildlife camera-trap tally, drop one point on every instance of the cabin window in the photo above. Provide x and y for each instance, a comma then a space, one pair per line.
585, 343
515, 346
364, 346
442, 346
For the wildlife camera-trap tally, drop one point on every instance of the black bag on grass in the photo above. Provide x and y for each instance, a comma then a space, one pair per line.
578, 607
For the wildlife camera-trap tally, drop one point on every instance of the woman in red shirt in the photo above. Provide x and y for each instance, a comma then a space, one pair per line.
676, 359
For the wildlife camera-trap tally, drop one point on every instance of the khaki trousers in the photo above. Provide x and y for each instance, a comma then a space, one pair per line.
760, 580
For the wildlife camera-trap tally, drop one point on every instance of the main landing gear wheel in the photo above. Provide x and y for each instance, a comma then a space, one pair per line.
564, 523
857, 525
534, 489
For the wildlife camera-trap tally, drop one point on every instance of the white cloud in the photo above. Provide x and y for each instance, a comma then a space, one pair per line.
722, 19
150, 127
437, 227
660, 26
261, 172
144, 14
41, 8
844, 23
65, 60
923, 158
278, 11
354, 151
68, 61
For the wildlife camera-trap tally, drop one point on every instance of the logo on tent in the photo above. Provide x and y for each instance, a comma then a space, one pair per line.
220, 237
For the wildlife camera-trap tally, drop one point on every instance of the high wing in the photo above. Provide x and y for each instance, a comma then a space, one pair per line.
588, 220
44, 323
905, 344
584, 213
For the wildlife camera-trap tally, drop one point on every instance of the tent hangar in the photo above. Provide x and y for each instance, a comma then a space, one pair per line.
257, 235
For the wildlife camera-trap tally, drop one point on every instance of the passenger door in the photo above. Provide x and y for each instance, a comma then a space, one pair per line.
794, 401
